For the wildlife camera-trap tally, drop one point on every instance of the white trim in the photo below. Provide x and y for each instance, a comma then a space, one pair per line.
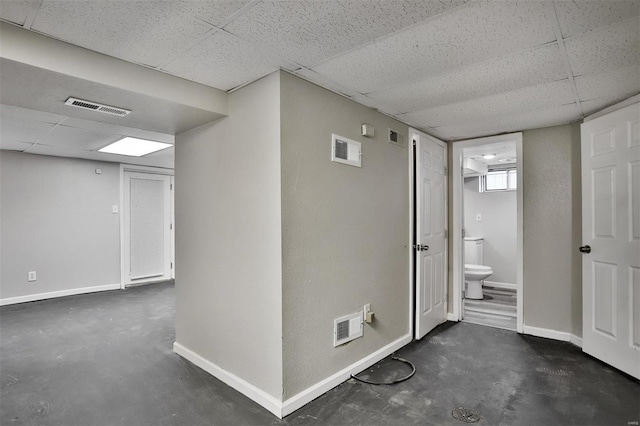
497, 284
457, 226
546, 333
412, 283
313, 392
60, 293
451, 317
272, 404
575, 340
268, 401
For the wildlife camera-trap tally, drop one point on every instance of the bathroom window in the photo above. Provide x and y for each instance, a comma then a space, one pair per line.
499, 180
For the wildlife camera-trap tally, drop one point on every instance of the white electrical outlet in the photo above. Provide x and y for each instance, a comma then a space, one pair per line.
114, 209
31, 276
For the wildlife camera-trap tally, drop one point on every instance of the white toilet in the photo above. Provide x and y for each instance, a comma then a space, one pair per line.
474, 272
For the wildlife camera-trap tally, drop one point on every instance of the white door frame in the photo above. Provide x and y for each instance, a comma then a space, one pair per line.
123, 238
412, 281
457, 226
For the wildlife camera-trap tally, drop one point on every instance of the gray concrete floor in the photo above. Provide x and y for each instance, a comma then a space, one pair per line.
106, 359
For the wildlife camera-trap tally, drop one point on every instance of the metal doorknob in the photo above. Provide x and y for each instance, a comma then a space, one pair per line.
421, 247
585, 249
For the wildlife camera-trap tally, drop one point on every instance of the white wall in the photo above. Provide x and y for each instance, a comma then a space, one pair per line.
499, 214
228, 239
345, 233
56, 219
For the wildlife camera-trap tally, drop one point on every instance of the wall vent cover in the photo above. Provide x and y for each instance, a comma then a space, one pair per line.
346, 151
396, 138
347, 328
94, 106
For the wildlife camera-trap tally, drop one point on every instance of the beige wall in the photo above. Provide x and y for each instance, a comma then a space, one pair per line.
228, 238
345, 233
552, 220
56, 219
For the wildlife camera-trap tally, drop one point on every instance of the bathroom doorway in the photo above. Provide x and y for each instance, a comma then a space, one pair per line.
487, 231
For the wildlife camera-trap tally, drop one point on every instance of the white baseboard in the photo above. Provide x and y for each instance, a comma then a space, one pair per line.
269, 402
451, 317
61, 293
309, 394
547, 333
281, 409
497, 284
575, 340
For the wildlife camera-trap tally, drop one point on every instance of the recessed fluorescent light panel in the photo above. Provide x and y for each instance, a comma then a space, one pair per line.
489, 156
134, 147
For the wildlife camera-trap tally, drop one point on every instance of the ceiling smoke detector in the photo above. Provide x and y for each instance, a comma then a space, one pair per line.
94, 106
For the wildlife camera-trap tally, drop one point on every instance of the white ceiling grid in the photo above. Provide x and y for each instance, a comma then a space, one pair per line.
455, 68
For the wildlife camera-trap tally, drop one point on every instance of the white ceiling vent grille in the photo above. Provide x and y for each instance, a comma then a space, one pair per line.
347, 328
94, 106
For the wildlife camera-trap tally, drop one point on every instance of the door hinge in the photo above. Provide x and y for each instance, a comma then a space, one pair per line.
171, 265
445, 170
171, 226
171, 186
446, 234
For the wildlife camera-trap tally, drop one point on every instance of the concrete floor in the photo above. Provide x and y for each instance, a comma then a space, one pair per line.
106, 359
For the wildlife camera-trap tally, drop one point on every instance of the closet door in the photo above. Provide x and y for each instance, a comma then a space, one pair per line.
147, 222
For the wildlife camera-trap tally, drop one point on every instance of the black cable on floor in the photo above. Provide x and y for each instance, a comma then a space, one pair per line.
402, 379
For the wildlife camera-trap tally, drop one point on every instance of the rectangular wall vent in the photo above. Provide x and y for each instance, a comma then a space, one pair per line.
347, 328
94, 106
346, 151
397, 138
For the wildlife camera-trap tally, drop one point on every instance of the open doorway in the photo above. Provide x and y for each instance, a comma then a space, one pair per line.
487, 231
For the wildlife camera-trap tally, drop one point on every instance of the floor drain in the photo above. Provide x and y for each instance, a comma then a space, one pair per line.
466, 415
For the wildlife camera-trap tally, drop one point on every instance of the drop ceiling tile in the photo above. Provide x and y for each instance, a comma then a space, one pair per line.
223, 61
610, 86
307, 32
522, 69
503, 104
118, 130
23, 130
79, 139
149, 32
577, 17
15, 11
545, 117
13, 145
610, 48
482, 31
30, 114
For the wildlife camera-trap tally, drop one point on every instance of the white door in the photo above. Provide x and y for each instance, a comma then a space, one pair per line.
147, 226
430, 249
611, 238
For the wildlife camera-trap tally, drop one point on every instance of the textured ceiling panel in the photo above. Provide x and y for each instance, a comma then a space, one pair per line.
528, 68
612, 85
473, 34
510, 123
13, 146
71, 137
30, 114
23, 130
577, 17
490, 107
146, 32
607, 49
223, 61
15, 11
307, 32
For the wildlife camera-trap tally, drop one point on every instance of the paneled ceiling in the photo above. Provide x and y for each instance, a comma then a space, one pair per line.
456, 69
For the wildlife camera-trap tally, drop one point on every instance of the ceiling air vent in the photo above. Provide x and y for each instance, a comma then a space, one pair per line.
94, 106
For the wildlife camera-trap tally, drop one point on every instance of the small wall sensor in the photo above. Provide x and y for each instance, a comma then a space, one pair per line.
368, 131
98, 171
